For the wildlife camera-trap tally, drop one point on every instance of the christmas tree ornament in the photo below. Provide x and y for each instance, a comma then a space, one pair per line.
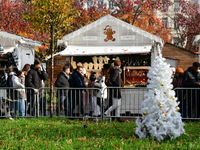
161, 84
173, 98
163, 120
177, 108
145, 113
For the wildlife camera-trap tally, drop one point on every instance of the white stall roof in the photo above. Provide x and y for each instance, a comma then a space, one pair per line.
104, 50
93, 39
11, 40
8, 50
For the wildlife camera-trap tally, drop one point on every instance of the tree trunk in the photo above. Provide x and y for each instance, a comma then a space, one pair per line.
52, 69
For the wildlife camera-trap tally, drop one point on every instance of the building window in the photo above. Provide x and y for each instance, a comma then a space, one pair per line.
100, 3
165, 22
176, 26
176, 5
111, 4
89, 4
176, 41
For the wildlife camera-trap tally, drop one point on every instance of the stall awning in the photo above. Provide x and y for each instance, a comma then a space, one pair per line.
107, 50
7, 50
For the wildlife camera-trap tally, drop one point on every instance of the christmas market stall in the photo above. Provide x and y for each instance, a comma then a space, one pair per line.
104, 41
16, 51
108, 39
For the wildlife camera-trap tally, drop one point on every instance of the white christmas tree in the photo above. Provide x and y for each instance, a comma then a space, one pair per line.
161, 118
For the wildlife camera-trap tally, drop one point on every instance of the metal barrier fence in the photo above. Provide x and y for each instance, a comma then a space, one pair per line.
189, 99
111, 102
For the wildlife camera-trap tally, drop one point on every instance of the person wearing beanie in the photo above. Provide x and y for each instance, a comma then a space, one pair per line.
115, 79
179, 70
178, 77
177, 82
191, 79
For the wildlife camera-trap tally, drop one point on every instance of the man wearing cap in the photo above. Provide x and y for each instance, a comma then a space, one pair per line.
191, 79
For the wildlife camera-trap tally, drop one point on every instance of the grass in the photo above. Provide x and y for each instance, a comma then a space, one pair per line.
61, 133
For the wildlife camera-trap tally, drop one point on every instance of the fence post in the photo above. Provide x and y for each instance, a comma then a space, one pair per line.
37, 104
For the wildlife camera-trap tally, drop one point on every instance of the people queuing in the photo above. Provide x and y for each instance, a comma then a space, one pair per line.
32, 76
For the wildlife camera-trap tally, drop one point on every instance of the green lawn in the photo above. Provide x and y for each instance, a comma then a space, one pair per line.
61, 133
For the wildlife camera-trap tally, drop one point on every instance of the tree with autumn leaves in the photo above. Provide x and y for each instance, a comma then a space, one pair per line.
11, 20
53, 17
142, 14
188, 22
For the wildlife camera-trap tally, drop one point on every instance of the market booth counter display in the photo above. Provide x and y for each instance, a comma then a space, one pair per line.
90, 63
135, 76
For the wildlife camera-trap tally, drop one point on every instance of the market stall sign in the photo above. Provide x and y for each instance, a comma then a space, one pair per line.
109, 50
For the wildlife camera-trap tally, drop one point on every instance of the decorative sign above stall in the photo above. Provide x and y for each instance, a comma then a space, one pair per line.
109, 32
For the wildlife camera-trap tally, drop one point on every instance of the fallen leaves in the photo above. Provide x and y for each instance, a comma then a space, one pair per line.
82, 138
186, 134
69, 141
133, 137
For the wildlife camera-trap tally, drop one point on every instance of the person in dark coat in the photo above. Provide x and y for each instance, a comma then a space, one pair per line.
115, 79
3, 94
10, 91
191, 79
77, 81
62, 81
34, 79
177, 83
